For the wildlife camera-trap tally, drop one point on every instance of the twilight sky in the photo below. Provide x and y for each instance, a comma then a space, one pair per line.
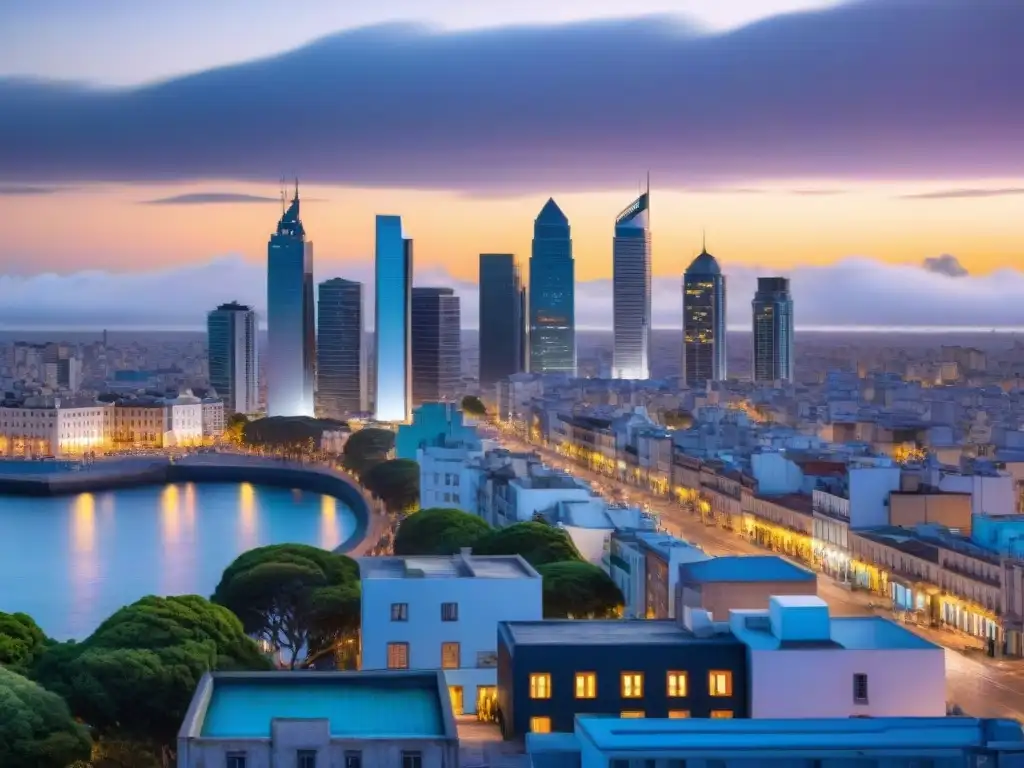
873, 145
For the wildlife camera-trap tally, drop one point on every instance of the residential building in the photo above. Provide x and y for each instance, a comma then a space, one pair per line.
54, 427
502, 323
213, 417
773, 331
552, 294
232, 351
319, 719
645, 566
433, 424
436, 345
291, 324
442, 474
443, 613
340, 349
704, 358
393, 321
740, 582
631, 290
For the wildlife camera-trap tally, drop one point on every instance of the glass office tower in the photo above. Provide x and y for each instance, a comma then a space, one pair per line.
552, 294
501, 319
631, 291
436, 345
340, 349
231, 350
393, 321
291, 325
703, 322
773, 330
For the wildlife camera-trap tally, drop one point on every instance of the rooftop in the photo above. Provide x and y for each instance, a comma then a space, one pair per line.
744, 568
461, 566
602, 632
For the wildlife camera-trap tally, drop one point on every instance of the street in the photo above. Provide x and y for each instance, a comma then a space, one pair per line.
982, 687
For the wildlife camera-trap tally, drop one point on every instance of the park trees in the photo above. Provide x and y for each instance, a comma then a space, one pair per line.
396, 482
234, 428
21, 641
538, 543
301, 599
36, 728
474, 406
579, 590
367, 448
439, 531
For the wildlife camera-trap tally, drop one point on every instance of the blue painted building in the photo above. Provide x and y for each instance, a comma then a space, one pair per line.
433, 424
393, 321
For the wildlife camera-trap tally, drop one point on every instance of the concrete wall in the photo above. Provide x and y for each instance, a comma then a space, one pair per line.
952, 510
721, 597
311, 734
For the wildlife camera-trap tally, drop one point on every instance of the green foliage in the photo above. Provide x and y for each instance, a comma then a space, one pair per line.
234, 428
293, 596
677, 419
474, 406
579, 590
117, 753
288, 431
134, 677
36, 728
367, 448
396, 482
21, 641
439, 531
539, 543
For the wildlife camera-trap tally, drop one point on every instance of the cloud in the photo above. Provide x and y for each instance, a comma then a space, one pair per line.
14, 190
817, 192
577, 106
945, 264
204, 198
871, 294
956, 194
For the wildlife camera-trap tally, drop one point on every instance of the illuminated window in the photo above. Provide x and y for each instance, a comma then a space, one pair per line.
450, 656
540, 725
631, 714
398, 655
632, 685
721, 714
678, 714
586, 685
677, 687
720, 682
540, 685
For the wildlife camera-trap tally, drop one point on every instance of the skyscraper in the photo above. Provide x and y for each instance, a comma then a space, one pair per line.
393, 321
773, 330
291, 326
631, 291
703, 321
231, 351
501, 320
552, 294
340, 349
436, 345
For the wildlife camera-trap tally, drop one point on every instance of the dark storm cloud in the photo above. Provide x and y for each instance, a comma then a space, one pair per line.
956, 194
879, 88
946, 264
207, 198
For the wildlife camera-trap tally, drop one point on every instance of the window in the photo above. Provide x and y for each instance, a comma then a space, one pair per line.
677, 687
449, 611
632, 685
721, 714
235, 760
411, 759
586, 685
720, 682
398, 655
678, 714
450, 656
306, 758
860, 688
540, 685
631, 714
353, 758
399, 611
540, 725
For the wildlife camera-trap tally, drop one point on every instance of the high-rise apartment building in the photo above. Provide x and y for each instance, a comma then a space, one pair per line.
291, 325
340, 349
393, 321
631, 291
436, 345
231, 339
502, 328
773, 330
552, 294
703, 321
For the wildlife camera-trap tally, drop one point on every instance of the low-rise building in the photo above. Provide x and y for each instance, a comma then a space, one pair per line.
319, 719
443, 613
645, 566
54, 427
739, 582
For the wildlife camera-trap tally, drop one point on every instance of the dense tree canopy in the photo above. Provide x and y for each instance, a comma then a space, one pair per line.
21, 641
539, 543
36, 728
439, 531
367, 448
579, 590
296, 597
234, 428
395, 482
474, 406
288, 431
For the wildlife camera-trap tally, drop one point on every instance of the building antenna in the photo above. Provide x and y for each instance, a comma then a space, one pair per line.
703, 240
296, 187
284, 196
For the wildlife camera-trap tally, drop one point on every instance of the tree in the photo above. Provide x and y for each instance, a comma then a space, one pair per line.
676, 418
21, 641
396, 482
538, 543
579, 590
367, 448
36, 728
289, 432
295, 597
439, 531
474, 406
234, 428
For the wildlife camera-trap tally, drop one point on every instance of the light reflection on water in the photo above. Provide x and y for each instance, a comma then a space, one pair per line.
70, 562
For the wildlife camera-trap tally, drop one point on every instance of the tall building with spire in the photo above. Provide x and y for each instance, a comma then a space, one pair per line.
703, 321
291, 325
393, 321
631, 290
773, 330
552, 294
